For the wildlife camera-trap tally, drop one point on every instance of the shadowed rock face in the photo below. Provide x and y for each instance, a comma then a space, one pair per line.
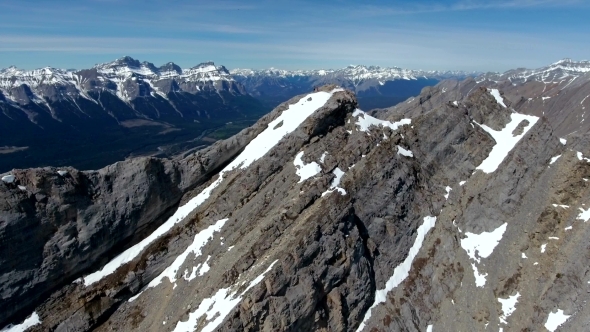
336, 219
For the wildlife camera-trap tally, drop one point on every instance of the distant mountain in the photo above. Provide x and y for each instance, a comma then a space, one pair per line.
559, 92
92, 117
374, 86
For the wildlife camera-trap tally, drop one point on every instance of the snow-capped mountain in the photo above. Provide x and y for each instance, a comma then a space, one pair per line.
356, 73
126, 78
554, 73
375, 86
120, 108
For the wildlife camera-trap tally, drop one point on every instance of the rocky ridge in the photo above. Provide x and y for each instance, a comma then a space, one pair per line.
447, 215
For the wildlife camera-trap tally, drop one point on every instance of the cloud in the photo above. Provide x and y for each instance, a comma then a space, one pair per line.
466, 5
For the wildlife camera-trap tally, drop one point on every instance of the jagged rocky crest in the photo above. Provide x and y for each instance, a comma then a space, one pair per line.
449, 214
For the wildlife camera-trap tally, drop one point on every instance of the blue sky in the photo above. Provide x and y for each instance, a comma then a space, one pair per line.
451, 35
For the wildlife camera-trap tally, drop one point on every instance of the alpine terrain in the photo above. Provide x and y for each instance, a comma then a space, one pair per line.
93, 117
126, 108
464, 208
374, 86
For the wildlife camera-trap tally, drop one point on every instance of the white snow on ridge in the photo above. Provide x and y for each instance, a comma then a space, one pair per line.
496, 94
483, 244
201, 239
364, 121
257, 148
291, 118
401, 271
562, 141
31, 321
305, 171
508, 306
555, 319
217, 307
505, 142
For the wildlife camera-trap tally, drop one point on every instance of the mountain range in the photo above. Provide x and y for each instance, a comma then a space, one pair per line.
93, 117
463, 208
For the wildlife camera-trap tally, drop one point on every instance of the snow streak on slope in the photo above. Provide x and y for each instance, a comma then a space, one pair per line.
290, 118
29, 322
402, 271
505, 141
218, 306
201, 239
496, 94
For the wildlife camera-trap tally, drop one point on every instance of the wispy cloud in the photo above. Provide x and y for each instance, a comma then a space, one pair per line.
466, 5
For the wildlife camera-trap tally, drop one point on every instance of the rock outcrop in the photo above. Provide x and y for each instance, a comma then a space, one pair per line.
462, 216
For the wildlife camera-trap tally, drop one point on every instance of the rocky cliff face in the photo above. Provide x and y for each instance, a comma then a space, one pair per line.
446, 216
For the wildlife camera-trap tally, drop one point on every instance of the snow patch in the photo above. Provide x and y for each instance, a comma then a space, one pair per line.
448, 189
462, 183
561, 206
554, 159
365, 121
31, 321
508, 306
335, 183
482, 245
568, 228
8, 178
581, 156
429, 327
200, 240
401, 271
555, 319
505, 142
562, 141
62, 173
404, 152
323, 157
543, 246
480, 279
305, 171
23, 188
218, 306
584, 215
